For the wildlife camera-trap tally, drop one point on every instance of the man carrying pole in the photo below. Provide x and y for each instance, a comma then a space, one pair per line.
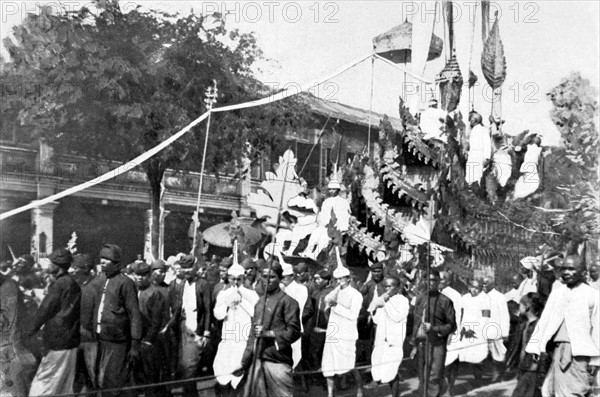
434, 321
276, 326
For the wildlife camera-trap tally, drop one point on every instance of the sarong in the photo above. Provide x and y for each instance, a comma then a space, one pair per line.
568, 375
386, 360
338, 357
56, 373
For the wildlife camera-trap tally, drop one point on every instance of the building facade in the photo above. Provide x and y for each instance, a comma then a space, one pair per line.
118, 210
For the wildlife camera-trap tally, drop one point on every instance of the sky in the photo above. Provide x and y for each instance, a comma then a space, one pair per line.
544, 41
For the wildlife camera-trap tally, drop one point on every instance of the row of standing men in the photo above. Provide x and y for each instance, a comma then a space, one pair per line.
155, 331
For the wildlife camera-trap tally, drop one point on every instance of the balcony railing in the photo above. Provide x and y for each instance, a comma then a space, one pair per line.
25, 164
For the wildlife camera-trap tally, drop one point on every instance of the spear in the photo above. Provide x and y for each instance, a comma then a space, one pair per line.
12, 253
428, 308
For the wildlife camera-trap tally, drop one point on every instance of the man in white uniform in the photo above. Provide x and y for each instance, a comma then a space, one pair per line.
451, 363
476, 315
498, 328
339, 353
570, 324
235, 307
336, 204
389, 312
480, 149
513, 294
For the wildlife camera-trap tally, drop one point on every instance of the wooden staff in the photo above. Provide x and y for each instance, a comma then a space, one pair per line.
12, 253
427, 314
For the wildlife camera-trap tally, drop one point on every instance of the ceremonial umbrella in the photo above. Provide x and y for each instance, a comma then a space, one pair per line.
220, 236
396, 45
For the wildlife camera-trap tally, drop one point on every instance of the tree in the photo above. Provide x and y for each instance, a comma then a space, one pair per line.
113, 85
573, 178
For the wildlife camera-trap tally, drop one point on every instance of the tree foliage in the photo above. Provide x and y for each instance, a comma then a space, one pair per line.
572, 175
575, 114
113, 84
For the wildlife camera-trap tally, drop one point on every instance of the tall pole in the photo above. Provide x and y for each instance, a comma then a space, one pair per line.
371, 107
211, 98
427, 308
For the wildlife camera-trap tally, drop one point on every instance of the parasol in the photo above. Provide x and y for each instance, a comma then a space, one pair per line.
396, 45
220, 236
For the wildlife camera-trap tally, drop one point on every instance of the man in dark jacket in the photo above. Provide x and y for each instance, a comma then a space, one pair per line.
318, 326
172, 330
59, 314
117, 321
192, 314
165, 336
366, 329
152, 310
434, 321
81, 270
276, 325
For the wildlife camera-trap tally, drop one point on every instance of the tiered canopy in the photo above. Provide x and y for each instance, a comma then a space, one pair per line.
396, 44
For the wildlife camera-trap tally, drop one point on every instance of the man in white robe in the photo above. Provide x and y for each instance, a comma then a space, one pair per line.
480, 149
570, 325
476, 315
235, 306
336, 204
513, 293
451, 363
339, 353
433, 122
498, 328
389, 312
529, 181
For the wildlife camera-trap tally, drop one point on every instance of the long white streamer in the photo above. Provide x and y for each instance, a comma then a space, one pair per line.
403, 69
145, 156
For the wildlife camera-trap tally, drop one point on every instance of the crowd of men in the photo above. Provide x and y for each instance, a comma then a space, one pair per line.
78, 327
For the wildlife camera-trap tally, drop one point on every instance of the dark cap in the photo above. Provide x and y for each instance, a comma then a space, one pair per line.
140, 268
248, 264
324, 274
26, 260
82, 261
187, 261
261, 263
61, 257
226, 262
276, 267
377, 265
111, 252
159, 265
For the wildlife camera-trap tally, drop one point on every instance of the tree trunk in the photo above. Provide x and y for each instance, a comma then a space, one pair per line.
155, 172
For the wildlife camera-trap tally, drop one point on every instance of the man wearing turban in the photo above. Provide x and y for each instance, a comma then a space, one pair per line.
117, 321
59, 315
